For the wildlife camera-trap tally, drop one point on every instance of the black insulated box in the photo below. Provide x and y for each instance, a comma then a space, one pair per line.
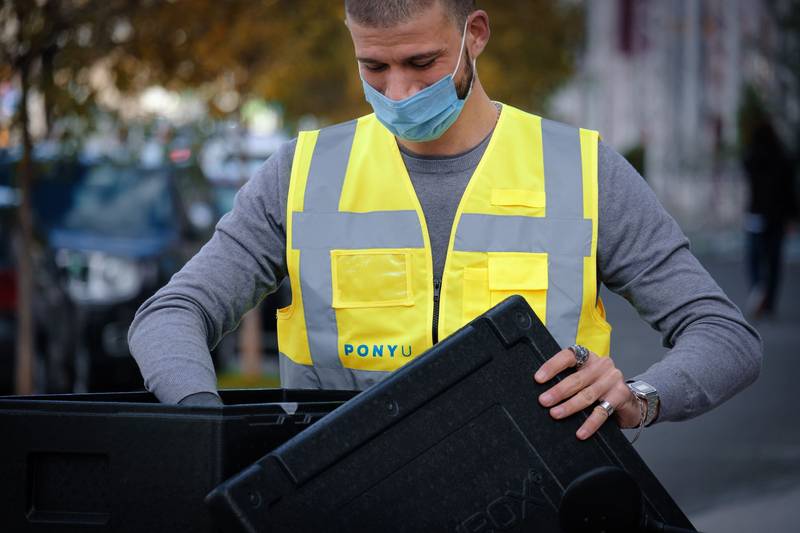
454, 441
123, 462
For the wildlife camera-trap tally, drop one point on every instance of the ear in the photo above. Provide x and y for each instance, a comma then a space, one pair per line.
478, 32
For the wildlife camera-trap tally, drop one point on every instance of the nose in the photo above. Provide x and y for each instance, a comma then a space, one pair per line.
399, 87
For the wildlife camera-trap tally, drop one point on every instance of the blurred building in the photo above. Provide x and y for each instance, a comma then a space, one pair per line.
662, 82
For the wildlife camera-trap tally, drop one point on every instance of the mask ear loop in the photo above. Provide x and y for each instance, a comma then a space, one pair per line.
474, 61
461, 50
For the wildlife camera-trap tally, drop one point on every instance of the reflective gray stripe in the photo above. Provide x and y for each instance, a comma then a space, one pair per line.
563, 171
328, 167
326, 176
564, 297
498, 233
563, 185
315, 286
564, 234
296, 376
377, 229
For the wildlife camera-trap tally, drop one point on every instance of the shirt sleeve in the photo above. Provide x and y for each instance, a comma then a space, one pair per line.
244, 261
644, 257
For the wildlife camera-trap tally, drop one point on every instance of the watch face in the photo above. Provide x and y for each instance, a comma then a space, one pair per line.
643, 388
649, 395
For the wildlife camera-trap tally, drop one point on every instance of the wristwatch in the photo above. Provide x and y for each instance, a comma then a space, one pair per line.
648, 395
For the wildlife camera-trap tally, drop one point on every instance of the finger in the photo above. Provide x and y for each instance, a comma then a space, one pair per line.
588, 395
591, 372
629, 412
616, 397
558, 363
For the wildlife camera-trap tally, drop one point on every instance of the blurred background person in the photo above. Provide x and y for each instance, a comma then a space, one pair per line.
771, 205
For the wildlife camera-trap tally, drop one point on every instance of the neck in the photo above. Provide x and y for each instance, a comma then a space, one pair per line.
477, 119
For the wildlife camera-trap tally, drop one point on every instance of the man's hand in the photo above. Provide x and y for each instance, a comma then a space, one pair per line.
597, 380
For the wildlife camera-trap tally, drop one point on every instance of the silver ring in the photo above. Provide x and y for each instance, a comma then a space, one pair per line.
607, 407
581, 354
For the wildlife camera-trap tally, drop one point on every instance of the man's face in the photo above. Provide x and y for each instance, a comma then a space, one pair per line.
404, 59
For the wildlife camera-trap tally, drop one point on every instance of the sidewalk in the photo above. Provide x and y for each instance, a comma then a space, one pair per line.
777, 511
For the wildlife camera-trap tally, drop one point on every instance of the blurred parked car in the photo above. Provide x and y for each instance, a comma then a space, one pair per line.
109, 234
114, 235
52, 313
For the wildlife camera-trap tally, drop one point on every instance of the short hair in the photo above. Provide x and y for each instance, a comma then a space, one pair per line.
388, 13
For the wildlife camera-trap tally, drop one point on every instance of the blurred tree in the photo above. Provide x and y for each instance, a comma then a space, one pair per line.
295, 52
37, 37
299, 53
532, 51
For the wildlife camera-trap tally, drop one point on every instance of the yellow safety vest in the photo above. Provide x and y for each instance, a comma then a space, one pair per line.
359, 256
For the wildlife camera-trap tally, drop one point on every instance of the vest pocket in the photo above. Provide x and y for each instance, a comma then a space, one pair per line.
519, 273
517, 198
371, 278
508, 273
526, 202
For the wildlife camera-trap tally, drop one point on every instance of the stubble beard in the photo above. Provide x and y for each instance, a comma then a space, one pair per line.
464, 84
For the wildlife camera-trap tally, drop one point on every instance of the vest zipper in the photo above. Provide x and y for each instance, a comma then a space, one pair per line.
437, 285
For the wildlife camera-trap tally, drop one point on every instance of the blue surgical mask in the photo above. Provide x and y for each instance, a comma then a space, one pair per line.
423, 116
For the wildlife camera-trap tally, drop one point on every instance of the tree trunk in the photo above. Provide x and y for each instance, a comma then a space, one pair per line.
250, 329
48, 87
25, 340
250, 342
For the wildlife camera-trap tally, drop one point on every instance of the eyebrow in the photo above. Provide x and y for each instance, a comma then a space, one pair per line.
417, 57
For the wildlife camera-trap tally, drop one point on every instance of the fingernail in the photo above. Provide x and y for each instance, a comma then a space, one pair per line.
556, 411
546, 399
582, 434
539, 376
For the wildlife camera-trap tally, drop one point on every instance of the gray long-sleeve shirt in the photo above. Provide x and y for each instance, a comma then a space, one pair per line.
642, 255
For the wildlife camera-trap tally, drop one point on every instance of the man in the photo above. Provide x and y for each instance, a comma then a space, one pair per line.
770, 210
396, 229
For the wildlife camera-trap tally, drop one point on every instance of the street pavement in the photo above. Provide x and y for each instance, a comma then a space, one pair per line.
737, 467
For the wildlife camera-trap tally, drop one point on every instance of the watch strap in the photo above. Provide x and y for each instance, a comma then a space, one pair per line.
649, 395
